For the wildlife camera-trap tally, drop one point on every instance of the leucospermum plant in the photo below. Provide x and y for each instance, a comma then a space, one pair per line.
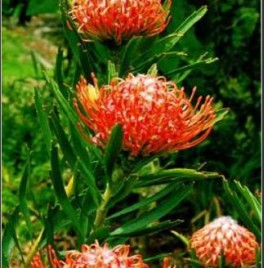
109, 133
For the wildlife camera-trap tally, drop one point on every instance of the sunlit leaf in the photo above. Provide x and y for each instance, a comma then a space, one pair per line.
176, 174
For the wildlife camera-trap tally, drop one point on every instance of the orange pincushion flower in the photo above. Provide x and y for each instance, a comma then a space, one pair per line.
94, 256
224, 236
154, 114
120, 19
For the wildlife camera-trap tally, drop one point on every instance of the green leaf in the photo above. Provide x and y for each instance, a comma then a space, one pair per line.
251, 200
182, 72
76, 44
182, 238
222, 261
145, 64
191, 20
77, 155
220, 114
141, 163
159, 257
101, 52
162, 209
198, 63
63, 141
90, 180
48, 230
80, 145
155, 228
240, 206
153, 69
194, 260
43, 120
112, 73
89, 55
37, 7
60, 191
36, 64
9, 237
175, 175
113, 148
56, 220
59, 73
258, 259
99, 234
86, 159
127, 53
166, 43
77, 74
23, 199
159, 195
63, 102
123, 190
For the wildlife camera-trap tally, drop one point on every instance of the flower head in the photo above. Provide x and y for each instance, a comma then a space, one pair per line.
224, 236
95, 256
120, 19
154, 114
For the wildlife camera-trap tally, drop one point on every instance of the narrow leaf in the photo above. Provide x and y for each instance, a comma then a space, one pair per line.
192, 66
192, 19
161, 210
9, 237
60, 192
59, 74
176, 174
239, 206
22, 197
166, 43
155, 228
124, 190
253, 202
112, 73
113, 148
159, 195
63, 102
43, 120
63, 141
127, 55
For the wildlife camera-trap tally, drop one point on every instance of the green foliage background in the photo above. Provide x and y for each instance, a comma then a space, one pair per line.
231, 32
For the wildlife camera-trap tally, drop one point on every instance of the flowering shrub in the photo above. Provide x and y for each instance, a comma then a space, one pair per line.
124, 186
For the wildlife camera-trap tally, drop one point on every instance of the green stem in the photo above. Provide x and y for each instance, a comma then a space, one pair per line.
102, 209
